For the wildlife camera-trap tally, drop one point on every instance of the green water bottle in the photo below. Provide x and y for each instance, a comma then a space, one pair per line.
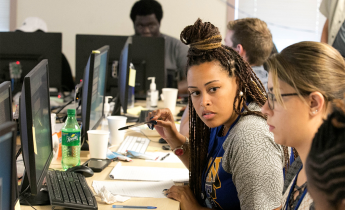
70, 141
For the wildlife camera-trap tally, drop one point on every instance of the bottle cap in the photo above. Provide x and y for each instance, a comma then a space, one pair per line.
70, 111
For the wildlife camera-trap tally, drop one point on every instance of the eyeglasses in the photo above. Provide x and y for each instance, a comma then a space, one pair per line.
271, 98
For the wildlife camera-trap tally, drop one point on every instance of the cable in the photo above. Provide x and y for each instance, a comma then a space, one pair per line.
68, 103
19, 152
29, 203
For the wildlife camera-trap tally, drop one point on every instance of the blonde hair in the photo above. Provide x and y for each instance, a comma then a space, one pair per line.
309, 67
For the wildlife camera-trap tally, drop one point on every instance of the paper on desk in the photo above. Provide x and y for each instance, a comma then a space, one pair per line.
149, 173
172, 158
135, 189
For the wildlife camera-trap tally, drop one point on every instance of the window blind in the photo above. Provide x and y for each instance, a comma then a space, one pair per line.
290, 21
4, 15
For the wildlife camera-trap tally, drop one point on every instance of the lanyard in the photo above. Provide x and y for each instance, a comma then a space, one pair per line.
291, 190
219, 146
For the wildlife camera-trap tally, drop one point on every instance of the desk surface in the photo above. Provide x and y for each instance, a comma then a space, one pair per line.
160, 203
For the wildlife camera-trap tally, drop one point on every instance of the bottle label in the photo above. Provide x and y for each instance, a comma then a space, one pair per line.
71, 139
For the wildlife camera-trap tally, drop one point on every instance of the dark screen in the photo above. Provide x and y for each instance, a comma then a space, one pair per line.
5, 172
5, 106
98, 86
40, 120
125, 60
29, 49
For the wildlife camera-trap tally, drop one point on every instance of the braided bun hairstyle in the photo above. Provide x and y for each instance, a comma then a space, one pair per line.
205, 46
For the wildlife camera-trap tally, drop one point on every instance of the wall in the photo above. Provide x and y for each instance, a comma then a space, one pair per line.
111, 17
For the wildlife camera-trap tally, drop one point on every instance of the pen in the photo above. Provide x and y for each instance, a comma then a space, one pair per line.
165, 156
134, 207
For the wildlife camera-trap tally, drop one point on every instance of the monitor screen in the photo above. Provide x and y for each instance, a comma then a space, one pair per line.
40, 120
35, 127
148, 58
98, 86
8, 174
124, 64
28, 49
93, 92
5, 102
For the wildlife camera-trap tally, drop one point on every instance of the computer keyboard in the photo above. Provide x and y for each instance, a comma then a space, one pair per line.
134, 143
70, 190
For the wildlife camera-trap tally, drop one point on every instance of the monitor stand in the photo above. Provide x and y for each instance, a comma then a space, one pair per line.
42, 197
117, 111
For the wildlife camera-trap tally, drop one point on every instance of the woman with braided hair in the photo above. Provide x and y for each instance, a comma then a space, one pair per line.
232, 158
325, 165
303, 79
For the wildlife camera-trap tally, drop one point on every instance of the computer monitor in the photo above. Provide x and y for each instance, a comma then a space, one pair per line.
35, 133
93, 93
29, 49
8, 172
123, 78
147, 57
5, 102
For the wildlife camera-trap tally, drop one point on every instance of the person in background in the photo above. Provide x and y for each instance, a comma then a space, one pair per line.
252, 39
303, 79
35, 24
146, 16
325, 165
232, 158
333, 31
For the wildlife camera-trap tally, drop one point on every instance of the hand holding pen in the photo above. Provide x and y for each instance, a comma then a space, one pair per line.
166, 127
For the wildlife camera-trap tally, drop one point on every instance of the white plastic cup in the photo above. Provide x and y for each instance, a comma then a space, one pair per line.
114, 123
98, 143
169, 96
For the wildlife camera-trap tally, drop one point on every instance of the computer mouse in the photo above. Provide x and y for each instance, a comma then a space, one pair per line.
83, 170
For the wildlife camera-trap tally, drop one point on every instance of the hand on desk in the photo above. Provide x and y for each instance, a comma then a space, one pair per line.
166, 127
184, 195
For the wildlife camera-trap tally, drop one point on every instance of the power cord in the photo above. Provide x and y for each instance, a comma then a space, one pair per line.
19, 152
62, 107
26, 196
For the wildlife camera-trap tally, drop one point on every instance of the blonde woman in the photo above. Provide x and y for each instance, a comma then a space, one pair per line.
302, 80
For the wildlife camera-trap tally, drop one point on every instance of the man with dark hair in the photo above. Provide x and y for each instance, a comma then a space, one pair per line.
252, 39
146, 16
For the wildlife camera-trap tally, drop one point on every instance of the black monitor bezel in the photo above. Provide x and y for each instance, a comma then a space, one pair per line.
5, 128
7, 86
27, 143
87, 93
123, 84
